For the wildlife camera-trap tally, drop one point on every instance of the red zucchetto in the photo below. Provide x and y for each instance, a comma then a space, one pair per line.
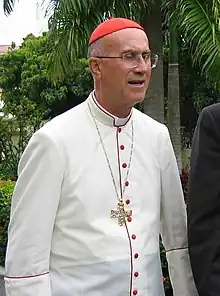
112, 25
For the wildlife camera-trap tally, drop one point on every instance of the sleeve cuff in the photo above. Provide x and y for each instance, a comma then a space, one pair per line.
34, 285
180, 272
176, 249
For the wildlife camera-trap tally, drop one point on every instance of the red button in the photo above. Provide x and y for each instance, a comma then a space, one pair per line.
135, 292
136, 255
122, 147
124, 165
136, 274
128, 201
126, 183
129, 219
133, 236
119, 129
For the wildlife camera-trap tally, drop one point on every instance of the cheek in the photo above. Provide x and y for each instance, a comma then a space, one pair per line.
112, 76
148, 75
120, 78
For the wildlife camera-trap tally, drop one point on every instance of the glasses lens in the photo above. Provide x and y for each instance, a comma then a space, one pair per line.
130, 60
154, 60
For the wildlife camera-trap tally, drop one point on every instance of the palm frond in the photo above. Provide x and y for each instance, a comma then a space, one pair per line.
8, 6
74, 20
199, 21
51, 6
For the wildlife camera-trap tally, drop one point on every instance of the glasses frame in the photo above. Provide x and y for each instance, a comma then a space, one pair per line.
137, 58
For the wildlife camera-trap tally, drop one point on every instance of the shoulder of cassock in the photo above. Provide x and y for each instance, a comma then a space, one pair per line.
157, 137
147, 120
149, 125
74, 122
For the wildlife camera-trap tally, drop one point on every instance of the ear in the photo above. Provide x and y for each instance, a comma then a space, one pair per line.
95, 67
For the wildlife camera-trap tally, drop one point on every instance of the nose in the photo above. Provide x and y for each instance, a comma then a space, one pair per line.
142, 65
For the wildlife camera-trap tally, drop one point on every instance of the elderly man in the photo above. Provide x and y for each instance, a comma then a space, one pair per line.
96, 187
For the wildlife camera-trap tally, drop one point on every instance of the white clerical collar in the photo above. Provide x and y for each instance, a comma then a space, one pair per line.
103, 115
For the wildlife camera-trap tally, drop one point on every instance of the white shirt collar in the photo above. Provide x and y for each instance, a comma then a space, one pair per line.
104, 116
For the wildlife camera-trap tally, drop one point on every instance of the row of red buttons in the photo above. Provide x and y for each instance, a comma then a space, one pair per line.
124, 165
129, 219
136, 274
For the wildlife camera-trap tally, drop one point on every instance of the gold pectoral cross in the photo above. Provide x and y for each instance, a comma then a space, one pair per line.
121, 213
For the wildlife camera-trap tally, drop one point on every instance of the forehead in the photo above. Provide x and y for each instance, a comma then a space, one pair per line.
123, 40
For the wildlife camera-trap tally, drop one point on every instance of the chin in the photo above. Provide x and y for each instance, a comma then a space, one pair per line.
137, 99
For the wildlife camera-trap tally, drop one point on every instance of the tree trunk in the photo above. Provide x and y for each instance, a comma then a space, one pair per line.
154, 101
173, 108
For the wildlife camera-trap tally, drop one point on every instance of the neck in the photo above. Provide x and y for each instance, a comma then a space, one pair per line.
116, 110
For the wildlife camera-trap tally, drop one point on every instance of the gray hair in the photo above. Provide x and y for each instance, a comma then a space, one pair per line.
94, 49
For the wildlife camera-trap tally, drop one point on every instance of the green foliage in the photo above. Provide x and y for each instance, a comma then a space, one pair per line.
196, 89
198, 23
27, 92
13, 139
199, 19
6, 192
30, 98
164, 265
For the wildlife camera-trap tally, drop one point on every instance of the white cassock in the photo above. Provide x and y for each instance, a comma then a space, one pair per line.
62, 240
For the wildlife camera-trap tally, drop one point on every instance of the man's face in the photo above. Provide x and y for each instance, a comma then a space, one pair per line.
126, 79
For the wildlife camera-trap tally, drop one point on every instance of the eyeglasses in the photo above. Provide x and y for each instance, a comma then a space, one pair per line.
131, 59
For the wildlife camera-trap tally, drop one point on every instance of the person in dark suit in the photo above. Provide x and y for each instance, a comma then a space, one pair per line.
203, 204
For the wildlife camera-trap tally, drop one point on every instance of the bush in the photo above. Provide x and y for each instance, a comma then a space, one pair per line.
184, 180
8, 169
164, 265
6, 192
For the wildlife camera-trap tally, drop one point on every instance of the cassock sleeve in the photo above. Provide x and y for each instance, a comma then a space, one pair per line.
33, 211
204, 204
173, 222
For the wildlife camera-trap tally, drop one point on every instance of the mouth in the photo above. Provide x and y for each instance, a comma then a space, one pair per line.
136, 83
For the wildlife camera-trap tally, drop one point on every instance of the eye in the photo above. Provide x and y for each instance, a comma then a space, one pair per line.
146, 55
128, 56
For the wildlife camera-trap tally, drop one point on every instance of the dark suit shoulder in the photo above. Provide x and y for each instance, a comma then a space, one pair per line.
213, 109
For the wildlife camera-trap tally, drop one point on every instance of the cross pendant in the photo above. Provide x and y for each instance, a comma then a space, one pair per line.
121, 213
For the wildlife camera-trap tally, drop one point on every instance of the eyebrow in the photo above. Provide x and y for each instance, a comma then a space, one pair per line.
136, 51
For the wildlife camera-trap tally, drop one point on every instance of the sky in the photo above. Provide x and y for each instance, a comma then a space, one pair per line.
26, 18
